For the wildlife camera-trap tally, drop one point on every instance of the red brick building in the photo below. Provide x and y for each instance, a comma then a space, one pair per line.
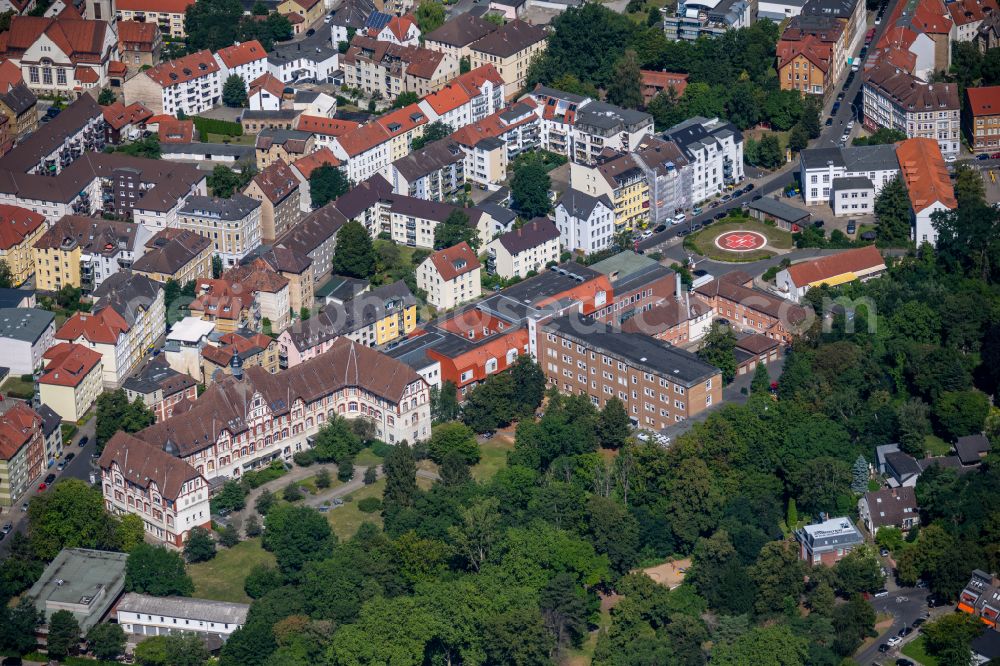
752, 309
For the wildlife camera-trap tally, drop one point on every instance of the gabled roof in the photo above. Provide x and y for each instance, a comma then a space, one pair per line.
170, 250
984, 101
136, 35
581, 205
241, 54
509, 39
143, 464
531, 235
430, 158
118, 115
925, 174
326, 126
971, 447
447, 98
307, 164
277, 182
68, 364
183, 69
10, 75
269, 82
158, 6
363, 139
313, 230
16, 224
859, 260
103, 327
498, 124
18, 426
461, 30
81, 40
454, 261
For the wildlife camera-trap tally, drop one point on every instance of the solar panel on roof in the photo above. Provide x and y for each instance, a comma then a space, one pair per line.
378, 20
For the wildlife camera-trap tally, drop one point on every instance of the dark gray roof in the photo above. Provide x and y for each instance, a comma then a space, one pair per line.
817, 158
27, 154
428, 159
890, 506
11, 298
902, 464
611, 117
461, 30
25, 324
987, 645
235, 207
970, 447
220, 612
126, 292
312, 231
532, 234
573, 98
698, 132
501, 214
852, 183
363, 196
638, 350
18, 99
158, 375
871, 158
430, 210
354, 314
277, 114
352, 14
287, 52
836, 8
342, 288
779, 209
510, 38
580, 205
305, 96
50, 420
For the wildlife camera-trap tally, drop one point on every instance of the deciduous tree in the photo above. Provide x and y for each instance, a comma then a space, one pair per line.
200, 546
157, 571
107, 641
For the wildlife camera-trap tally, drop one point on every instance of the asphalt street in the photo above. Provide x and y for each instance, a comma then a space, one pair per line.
905, 605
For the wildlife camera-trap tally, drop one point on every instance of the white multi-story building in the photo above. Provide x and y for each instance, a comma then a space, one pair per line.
586, 224
450, 276
252, 418
141, 479
247, 61
580, 127
928, 185
895, 99
714, 151
191, 84
233, 224
524, 250
819, 167
292, 63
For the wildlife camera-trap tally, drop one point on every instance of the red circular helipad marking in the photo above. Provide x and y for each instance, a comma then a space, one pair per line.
740, 241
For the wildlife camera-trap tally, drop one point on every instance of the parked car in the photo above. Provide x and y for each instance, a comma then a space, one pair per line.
904, 662
719, 216
310, 32
852, 226
904, 632
61, 465
916, 623
679, 217
836, 107
884, 552
24, 507
646, 234
883, 648
42, 487
984, 156
850, 125
818, 224
50, 478
995, 156
83, 441
894, 641
69, 456
7, 528
757, 197
882, 593
749, 187
660, 228
829, 121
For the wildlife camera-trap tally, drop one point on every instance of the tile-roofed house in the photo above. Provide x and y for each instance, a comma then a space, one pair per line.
457, 33
160, 387
350, 16
19, 229
863, 263
247, 60
655, 82
393, 396
176, 254
315, 237
413, 221
177, 490
265, 93
390, 69
510, 49
398, 30
450, 276
235, 352
120, 120
277, 188
889, 507
981, 118
928, 185
968, 15
896, 99
675, 320
269, 289
22, 451
85, 47
95, 249
434, 172
758, 310
190, 84
523, 250
325, 129
139, 44
971, 449
72, 380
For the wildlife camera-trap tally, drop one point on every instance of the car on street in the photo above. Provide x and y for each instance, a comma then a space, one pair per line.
829, 121
883, 648
934, 602
882, 593
310, 32
660, 228
679, 217
757, 197
916, 623
62, 463
83, 441
749, 187
50, 478
904, 632
24, 507
696, 226
840, 97
646, 234
904, 662
850, 125
894, 641
69, 456
984, 156
7, 528
995, 156
719, 216
836, 107
42, 487
683, 232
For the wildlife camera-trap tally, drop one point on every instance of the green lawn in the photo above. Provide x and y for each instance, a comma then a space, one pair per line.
346, 520
936, 446
367, 458
221, 578
310, 483
916, 650
703, 242
18, 388
244, 140
494, 457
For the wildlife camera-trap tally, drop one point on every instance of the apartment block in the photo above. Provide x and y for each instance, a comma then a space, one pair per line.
233, 225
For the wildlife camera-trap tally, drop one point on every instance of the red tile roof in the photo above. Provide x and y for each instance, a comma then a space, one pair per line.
363, 138
494, 126
117, 68
10, 75
176, 131
103, 327
118, 115
18, 426
16, 224
474, 79
815, 50
268, 82
159, 6
85, 74
184, 69
850, 261
969, 11
136, 35
455, 261
276, 181
664, 80
241, 54
68, 364
984, 101
448, 98
306, 165
325, 126
306, 4
144, 465
402, 120
81, 40
925, 174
